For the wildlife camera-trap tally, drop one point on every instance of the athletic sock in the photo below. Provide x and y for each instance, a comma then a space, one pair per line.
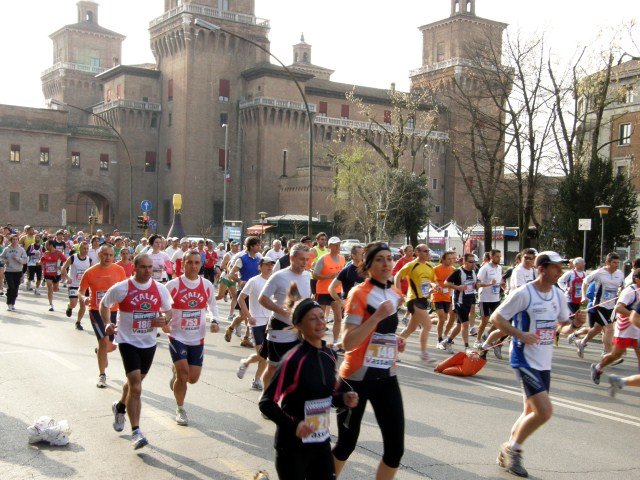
135, 429
121, 407
513, 445
439, 339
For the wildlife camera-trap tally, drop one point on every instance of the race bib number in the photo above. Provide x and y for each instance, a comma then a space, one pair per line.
425, 288
190, 320
495, 289
100, 295
79, 275
317, 413
50, 268
381, 351
610, 293
157, 275
445, 290
143, 322
577, 289
547, 336
469, 288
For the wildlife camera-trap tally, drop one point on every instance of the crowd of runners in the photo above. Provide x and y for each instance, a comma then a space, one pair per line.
283, 299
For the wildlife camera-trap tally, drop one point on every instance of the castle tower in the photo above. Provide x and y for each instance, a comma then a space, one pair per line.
302, 51
80, 52
201, 86
448, 48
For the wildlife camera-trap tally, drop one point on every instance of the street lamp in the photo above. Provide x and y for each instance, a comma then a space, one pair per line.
199, 22
226, 172
53, 101
380, 214
262, 216
604, 211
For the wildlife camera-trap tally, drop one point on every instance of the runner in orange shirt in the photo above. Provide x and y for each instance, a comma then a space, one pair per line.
97, 280
442, 296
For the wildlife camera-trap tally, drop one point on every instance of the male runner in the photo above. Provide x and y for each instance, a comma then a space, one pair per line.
98, 279
571, 283
143, 305
314, 255
442, 299
490, 281
534, 310
326, 269
191, 295
50, 264
74, 268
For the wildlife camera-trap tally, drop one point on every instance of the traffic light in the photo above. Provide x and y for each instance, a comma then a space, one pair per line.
145, 222
141, 222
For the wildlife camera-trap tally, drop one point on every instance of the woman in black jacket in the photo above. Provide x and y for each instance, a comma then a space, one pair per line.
299, 399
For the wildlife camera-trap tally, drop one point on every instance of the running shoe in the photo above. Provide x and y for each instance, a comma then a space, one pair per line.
477, 345
36, 292
239, 330
440, 345
68, 311
511, 461
557, 339
102, 381
571, 339
256, 385
79, 326
245, 342
426, 358
473, 331
138, 440
51, 308
449, 346
497, 351
174, 376
261, 475
119, 419
227, 334
181, 417
242, 369
579, 348
595, 374
617, 362
615, 384
29, 286
13, 308
1, 293
405, 320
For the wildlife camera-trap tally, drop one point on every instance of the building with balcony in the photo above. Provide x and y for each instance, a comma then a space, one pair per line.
169, 121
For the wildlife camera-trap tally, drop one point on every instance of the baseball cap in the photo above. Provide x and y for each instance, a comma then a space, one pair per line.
267, 260
579, 260
184, 240
549, 257
333, 240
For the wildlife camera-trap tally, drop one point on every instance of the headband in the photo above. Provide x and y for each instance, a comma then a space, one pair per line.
302, 309
368, 261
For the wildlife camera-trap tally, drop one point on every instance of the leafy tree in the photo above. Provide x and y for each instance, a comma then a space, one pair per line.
592, 184
409, 205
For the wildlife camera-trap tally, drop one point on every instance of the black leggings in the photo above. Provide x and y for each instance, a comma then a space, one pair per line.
12, 280
35, 271
386, 400
311, 462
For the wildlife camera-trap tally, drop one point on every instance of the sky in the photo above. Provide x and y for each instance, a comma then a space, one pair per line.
366, 42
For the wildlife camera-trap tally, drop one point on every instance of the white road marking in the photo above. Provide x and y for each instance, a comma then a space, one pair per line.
62, 361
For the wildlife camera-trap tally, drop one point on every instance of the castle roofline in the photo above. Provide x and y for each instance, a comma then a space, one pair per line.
88, 27
143, 70
271, 70
461, 17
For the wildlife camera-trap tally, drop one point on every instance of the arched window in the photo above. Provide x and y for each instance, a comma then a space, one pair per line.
305, 57
468, 7
456, 6
89, 17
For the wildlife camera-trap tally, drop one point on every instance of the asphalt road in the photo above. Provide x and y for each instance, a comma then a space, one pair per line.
453, 425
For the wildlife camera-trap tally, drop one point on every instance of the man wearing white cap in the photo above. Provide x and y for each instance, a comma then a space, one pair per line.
571, 283
326, 269
534, 308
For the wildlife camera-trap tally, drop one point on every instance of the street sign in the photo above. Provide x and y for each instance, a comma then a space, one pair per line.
146, 206
64, 217
153, 224
584, 224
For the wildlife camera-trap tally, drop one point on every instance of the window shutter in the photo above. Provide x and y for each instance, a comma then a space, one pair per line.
344, 111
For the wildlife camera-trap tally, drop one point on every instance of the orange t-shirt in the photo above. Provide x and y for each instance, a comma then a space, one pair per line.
98, 280
442, 273
128, 268
329, 267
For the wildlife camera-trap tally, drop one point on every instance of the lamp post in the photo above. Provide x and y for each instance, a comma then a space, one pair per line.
380, 214
262, 216
53, 101
199, 22
224, 180
604, 211
426, 153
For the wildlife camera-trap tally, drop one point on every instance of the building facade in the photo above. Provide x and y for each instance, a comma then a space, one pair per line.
126, 133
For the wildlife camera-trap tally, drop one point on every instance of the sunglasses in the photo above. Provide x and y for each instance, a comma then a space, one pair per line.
531, 259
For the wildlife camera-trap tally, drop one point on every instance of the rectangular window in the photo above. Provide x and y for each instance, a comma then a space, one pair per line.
44, 155
224, 118
440, 52
168, 159
628, 95
104, 161
75, 159
170, 120
624, 134
221, 158
224, 91
95, 62
150, 162
14, 153
411, 122
166, 212
344, 112
170, 90
323, 108
434, 183
119, 91
14, 201
217, 213
387, 117
145, 99
437, 208
223, 5
43, 202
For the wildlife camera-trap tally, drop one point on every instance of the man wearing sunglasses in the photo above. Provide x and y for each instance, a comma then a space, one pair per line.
464, 283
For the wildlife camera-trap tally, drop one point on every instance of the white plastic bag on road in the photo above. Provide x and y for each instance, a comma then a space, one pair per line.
46, 429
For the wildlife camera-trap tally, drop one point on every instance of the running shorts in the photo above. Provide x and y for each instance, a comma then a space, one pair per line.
421, 303
601, 316
446, 306
54, 279
227, 283
487, 308
98, 324
533, 381
193, 354
259, 334
73, 292
625, 343
275, 351
573, 307
463, 310
135, 358
325, 299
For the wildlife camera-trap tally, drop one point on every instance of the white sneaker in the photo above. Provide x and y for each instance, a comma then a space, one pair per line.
256, 385
242, 369
119, 419
571, 338
28, 286
181, 417
440, 346
102, 381
36, 292
426, 358
138, 440
240, 330
477, 345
